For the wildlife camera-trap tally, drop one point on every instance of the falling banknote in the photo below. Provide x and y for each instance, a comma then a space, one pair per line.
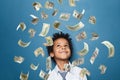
45, 29
76, 27
37, 6
18, 59
94, 56
56, 25
39, 51
110, 47
92, 19
22, 26
85, 50
23, 44
95, 36
49, 5
81, 36
84, 72
67, 67
55, 12
43, 75
72, 3
34, 67
64, 16
78, 15
49, 41
24, 76
102, 68
44, 15
48, 63
60, 1
31, 32
34, 19
78, 62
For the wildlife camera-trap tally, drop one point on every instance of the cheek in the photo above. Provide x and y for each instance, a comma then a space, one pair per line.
69, 50
55, 50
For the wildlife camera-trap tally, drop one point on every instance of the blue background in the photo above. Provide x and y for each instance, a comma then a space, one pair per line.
12, 12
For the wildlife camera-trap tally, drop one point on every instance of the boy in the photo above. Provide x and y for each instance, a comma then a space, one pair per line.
61, 52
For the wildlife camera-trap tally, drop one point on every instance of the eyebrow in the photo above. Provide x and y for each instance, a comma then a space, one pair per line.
60, 43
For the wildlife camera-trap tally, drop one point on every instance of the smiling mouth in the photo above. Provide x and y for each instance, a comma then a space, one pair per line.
63, 52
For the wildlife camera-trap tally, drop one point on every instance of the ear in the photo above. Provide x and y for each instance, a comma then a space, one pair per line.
52, 54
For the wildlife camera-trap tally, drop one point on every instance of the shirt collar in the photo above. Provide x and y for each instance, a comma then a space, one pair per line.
57, 68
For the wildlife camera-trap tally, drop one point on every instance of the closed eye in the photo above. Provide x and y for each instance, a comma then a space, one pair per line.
58, 45
66, 45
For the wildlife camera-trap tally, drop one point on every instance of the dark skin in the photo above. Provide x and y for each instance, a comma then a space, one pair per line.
61, 52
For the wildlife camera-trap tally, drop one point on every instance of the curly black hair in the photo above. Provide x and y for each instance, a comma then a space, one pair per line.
60, 35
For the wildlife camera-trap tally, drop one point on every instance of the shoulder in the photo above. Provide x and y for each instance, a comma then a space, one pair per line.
51, 72
52, 75
76, 69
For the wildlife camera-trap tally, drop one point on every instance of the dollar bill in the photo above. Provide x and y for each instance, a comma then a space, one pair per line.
67, 67
76, 27
84, 72
81, 36
34, 67
78, 15
39, 51
23, 44
48, 63
56, 25
21, 26
32, 32
102, 68
18, 59
78, 62
55, 12
24, 76
45, 29
110, 47
95, 36
94, 55
85, 50
43, 75
72, 3
37, 6
44, 15
60, 1
49, 41
92, 19
35, 19
64, 16
49, 5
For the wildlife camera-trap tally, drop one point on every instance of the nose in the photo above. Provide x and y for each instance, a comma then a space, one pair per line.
63, 47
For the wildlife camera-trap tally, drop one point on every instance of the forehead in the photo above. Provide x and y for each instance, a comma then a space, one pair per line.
60, 40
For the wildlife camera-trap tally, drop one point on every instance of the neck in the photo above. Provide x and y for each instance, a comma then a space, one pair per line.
60, 64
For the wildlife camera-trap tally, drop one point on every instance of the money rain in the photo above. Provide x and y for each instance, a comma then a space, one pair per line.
56, 24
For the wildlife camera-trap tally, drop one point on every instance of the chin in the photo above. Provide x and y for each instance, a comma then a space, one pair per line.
65, 58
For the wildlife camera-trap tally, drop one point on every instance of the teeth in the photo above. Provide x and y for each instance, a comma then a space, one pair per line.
63, 52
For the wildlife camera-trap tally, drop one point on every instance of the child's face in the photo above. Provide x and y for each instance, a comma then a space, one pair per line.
61, 49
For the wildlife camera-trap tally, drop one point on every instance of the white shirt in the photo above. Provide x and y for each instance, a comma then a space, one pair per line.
73, 74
